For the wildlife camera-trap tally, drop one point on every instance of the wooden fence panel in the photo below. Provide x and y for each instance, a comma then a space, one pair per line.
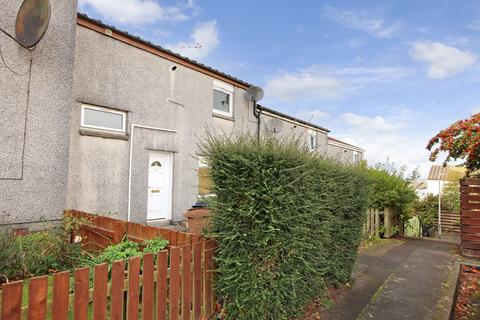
37, 298
148, 283
174, 285
186, 282
208, 277
100, 292
162, 275
12, 301
197, 280
116, 294
133, 288
60, 295
80, 306
178, 284
470, 217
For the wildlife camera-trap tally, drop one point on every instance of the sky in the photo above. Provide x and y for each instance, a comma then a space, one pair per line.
383, 75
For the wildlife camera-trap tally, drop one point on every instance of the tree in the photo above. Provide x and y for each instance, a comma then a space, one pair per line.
461, 141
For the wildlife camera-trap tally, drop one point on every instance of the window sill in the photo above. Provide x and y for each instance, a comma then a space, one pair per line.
103, 134
224, 117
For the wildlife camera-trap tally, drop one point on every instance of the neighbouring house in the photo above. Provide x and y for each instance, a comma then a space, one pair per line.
343, 151
440, 175
114, 123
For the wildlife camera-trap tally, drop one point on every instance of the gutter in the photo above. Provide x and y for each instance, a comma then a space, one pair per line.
130, 160
345, 146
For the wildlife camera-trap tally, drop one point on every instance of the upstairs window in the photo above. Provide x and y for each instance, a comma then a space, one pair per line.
103, 118
356, 157
312, 140
222, 98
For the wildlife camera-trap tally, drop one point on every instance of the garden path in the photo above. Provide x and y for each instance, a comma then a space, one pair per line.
400, 279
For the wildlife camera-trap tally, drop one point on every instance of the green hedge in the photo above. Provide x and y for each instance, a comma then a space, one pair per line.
286, 222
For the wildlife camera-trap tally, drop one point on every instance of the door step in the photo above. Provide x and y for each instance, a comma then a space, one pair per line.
159, 223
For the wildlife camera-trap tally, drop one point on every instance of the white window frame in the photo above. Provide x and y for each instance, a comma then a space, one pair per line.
103, 109
356, 157
312, 133
227, 89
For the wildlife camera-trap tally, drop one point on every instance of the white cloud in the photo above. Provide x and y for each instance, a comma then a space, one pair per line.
320, 82
361, 20
377, 123
204, 40
475, 110
289, 87
442, 61
385, 138
136, 12
474, 25
312, 115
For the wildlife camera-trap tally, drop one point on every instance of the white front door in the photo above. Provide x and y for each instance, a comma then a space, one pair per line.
160, 171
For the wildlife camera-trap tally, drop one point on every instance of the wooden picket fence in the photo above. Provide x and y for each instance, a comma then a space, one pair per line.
175, 284
450, 221
470, 217
371, 227
101, 231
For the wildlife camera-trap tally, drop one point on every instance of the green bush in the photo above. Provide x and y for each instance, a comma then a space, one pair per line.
120, 251
286, 223
127, 249
11, 262
154, 245
391, 189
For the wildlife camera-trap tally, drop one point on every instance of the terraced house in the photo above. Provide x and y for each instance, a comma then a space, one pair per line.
105, 122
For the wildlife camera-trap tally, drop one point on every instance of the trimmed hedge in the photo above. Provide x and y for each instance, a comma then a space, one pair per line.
287, 223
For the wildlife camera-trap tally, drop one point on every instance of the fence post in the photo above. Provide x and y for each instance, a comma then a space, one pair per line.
119, 230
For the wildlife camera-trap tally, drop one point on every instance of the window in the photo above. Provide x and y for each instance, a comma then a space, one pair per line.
103, 118
356, 157
222, 98
312, 140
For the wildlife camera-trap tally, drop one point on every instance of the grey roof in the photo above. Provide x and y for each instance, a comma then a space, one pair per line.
148, 43
284, 115
438, 172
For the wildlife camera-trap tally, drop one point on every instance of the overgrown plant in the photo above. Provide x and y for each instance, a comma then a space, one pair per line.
461, 141
286, 223
391, 188
11, 262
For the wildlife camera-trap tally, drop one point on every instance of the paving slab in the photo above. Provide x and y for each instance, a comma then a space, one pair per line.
402, 279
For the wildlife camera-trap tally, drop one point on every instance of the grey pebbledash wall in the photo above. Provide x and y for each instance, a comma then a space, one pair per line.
112, 74
63, 166
34, 153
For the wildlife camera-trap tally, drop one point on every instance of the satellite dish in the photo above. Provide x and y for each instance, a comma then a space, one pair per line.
254, 93
275, 125
32, 22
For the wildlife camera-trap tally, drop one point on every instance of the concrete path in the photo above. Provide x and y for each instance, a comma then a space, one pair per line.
401, 279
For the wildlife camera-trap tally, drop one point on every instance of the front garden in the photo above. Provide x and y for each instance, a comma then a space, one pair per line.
60, 249
287, 225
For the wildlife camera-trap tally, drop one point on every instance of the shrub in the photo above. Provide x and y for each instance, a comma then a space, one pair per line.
461, 141
285, 221
391, 189
154, 245
127, 249
11, 262
120, 251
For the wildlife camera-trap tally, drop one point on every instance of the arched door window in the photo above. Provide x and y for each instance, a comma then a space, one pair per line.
156, 164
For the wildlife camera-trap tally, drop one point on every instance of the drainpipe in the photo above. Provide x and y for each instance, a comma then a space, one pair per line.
130, 160
256, 114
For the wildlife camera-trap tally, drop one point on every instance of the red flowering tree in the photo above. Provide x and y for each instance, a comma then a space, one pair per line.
461, 141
